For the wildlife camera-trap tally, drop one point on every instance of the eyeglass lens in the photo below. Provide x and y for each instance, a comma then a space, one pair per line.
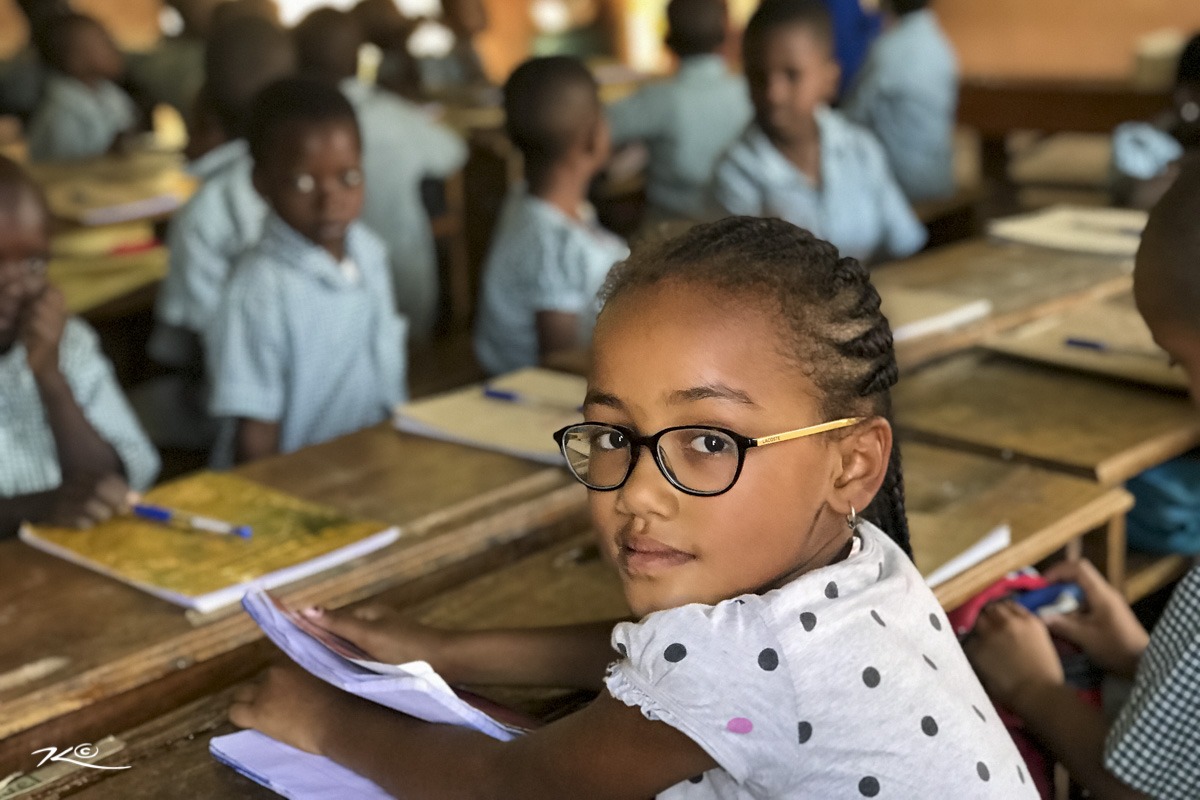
699, 459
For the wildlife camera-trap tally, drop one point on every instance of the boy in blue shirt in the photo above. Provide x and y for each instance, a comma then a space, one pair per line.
907, 94
690, 120
549, 256
70, 447
801, 161
308, 345
83, 112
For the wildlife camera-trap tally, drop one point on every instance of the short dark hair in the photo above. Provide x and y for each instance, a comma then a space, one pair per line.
242, 58
829, 313
775, 14
327, 43
1188, 71
52, 37
544, 102
1166, 278
902, 7
15, 180
696, 27
294, 102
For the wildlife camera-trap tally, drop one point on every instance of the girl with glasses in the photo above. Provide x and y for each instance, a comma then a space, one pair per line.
782, 644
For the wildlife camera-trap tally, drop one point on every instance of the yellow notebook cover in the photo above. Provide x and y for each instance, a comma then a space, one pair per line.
292, 539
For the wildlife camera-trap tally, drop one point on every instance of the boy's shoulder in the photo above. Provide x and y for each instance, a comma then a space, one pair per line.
848, 140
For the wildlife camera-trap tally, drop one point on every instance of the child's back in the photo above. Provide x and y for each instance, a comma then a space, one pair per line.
907, 94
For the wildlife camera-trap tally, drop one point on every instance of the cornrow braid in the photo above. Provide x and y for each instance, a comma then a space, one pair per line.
836, 332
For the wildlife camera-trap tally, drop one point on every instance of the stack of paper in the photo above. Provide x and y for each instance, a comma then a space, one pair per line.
292, 539
915, 313
515, 414
113, 189
940, 557
1099, 231
412, 688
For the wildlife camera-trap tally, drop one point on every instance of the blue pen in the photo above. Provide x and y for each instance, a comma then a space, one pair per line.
509, 396
181, 519
1104, 347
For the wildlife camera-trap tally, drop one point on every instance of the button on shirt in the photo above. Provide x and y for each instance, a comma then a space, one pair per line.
858, 206
687, 123
907, 94
303, 343
28, 456
75, 121
540, 260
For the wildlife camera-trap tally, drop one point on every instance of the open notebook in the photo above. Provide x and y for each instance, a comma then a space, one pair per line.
292, 539
915, 313
515, 414
1098, 231
412, 688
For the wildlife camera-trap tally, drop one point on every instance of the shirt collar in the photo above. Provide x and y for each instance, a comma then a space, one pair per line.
299, 253
707, 66
219, 158
830, 128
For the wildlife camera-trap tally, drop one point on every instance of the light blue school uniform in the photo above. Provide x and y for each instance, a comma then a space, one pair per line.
687, 122
219, 223
401, 147
307, 342
1141, 151
29, 461
540, 260
907, 94
75, 121
858, 206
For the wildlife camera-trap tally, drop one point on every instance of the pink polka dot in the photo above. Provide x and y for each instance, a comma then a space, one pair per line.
739, 725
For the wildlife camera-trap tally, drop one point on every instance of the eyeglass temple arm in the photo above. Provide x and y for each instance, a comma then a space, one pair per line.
811, 430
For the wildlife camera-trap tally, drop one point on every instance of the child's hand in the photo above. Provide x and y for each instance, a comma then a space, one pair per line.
42, 330
83, 502
386, 635
1106, 629
288, 705
1011, 650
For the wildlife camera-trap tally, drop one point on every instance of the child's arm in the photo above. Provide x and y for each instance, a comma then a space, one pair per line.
557, 331
255, 439
573, 656
1016, 660
75, 504
607, 750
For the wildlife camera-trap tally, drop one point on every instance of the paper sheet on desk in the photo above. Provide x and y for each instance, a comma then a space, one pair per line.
1099, 231
289, 772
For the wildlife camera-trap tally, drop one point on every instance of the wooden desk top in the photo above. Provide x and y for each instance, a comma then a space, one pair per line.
1000, 106
73, 638
94, 285
1069, 422
1023, 283
569, 583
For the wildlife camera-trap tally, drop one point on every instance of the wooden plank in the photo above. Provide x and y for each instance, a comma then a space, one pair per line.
998, 106
1068, 422
1145, 574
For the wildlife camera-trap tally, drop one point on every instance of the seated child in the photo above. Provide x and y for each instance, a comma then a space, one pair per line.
70, 447
307, 345
907, 95
1145, 155
782, 645
401, 147
689, 121
1150, 749
801, 161
460, 68
548, 256
83, 112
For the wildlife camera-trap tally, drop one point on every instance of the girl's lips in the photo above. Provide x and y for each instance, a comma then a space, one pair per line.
646, 556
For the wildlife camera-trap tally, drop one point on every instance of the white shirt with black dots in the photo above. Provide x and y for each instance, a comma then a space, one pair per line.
847, 682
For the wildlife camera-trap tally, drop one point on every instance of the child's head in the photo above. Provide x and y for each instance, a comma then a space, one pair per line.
327, 43
754, 326
79, 46
554, 117
238, 10
467, 18
1187, 91
696, 27
24, 247
308, 159
1166, 278
902, 7
790, 65
242, 58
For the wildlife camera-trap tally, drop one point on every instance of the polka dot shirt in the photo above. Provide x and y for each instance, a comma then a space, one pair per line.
847, 682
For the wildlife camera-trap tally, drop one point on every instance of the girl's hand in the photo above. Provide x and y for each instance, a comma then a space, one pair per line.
1011, 650
387, 636
291, 706
1106, 629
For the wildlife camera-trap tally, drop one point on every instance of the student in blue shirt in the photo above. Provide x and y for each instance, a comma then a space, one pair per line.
308, 345
83, 112
549, 256
402, 146
801, 161
690, 120
855, 27
70, 447
907, 94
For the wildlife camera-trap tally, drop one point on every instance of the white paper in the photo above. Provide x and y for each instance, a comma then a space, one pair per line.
994, 542
1097, 231
287, 771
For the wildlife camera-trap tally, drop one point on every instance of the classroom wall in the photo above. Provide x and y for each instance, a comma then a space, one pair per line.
134, 23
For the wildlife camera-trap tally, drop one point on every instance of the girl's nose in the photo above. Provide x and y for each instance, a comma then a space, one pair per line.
646, 492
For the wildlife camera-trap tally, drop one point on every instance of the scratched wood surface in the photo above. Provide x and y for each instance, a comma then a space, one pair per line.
73, 639
1100, 429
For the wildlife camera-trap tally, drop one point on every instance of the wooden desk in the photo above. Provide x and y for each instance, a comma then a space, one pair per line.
1023, 283
109, 286
83, 655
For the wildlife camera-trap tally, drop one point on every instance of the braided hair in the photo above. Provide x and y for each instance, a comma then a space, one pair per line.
833, 325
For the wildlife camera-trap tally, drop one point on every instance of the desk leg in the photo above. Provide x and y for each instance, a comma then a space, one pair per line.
993, 164
1106, 549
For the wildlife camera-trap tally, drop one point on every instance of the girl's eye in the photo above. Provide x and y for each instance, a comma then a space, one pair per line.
305, 184
352, 178
610, 440
710, 443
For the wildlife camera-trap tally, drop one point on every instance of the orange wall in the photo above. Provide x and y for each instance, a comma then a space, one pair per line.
134, 23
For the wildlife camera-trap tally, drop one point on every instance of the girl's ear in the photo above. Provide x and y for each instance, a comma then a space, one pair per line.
865, 453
